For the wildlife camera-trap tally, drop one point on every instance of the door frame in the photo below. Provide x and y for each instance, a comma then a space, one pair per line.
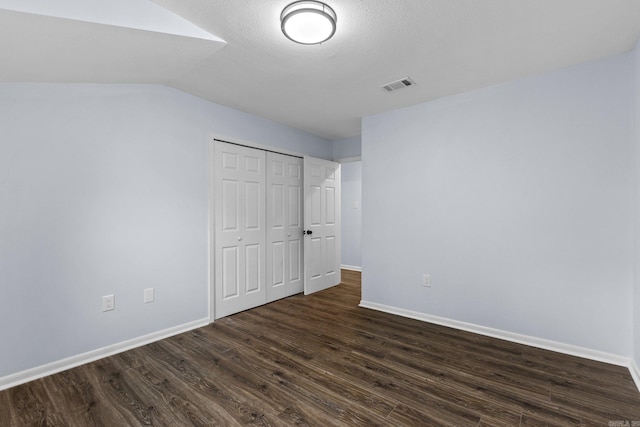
211, 238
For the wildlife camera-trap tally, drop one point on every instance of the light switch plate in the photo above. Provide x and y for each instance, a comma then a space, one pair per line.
426, 280
149, 295
108, 303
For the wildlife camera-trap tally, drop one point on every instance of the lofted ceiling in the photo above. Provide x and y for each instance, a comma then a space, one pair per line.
445, 46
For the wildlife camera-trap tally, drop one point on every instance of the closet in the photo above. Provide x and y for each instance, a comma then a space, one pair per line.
276, 226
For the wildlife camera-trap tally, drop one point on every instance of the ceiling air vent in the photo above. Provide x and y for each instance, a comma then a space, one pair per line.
398, 84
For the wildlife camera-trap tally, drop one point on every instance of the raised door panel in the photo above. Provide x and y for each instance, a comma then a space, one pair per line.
254, 206
294, 218
230, 273
253, 267
231, 205
277, 207
295, 261
277, 262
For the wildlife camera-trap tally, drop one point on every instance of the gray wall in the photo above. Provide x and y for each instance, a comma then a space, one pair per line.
347, 148
517, 199
351, 215
636, 259
103, 189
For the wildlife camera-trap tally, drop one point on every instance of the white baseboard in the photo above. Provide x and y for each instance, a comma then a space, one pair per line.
558, 347
90, 356
635, 373
351, 267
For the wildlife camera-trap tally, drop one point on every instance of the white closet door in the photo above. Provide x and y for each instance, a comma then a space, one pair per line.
284, 226
240, 232
322, 224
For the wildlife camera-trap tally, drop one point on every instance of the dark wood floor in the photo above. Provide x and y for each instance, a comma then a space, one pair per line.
319, 361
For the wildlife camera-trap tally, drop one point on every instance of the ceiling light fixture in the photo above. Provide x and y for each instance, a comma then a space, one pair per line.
308, 22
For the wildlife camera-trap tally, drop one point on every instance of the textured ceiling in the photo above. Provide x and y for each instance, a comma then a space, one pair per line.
446, 46
64, 50
133, 14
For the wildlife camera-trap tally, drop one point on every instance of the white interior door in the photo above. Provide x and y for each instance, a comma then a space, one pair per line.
321, 224
284, 226
240, 232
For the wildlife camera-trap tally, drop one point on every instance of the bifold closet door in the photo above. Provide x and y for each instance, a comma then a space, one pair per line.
284, 226
240, 228
276, 226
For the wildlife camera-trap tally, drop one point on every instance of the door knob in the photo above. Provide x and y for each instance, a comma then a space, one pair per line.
308, 232
239, 239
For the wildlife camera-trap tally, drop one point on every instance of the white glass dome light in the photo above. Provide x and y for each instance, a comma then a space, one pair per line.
308, 22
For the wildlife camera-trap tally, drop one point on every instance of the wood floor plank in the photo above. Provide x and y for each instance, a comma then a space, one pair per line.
302, 395
33, 404
230, 388
456, 392
321, 360
599, 407
407, 415
487, 421
383, 380
313, 384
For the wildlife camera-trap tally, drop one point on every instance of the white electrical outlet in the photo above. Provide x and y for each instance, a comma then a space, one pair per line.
149, 295
426, 280
108, 303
